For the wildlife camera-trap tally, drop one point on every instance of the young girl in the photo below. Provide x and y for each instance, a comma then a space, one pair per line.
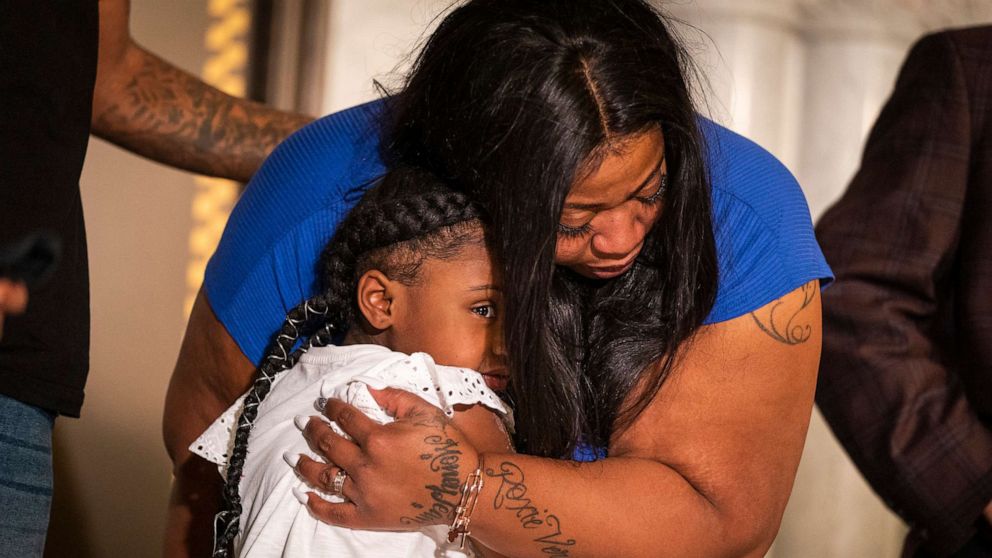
408, 276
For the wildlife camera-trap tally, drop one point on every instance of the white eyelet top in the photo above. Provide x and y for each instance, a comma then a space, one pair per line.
273, 522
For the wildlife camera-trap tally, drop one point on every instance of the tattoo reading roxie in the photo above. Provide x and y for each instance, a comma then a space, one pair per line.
780, 323
443, 457
512, 496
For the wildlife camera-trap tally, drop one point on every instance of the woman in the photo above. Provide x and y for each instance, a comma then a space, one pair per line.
661, 287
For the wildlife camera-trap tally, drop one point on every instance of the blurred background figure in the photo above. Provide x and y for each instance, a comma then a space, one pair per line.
69, 68
804, 78
906, 375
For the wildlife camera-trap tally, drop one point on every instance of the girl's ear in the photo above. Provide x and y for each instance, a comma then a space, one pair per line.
375, 298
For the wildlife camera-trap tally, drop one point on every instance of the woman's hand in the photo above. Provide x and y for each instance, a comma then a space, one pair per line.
401, 476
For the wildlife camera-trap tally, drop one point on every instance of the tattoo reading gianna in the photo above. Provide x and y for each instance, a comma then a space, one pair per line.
512, 496
786, 320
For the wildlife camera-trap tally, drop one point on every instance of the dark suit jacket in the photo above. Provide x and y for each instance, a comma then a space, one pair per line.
906, 379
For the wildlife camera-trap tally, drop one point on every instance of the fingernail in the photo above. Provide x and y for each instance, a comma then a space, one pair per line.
320, 404
301, 421
328, 496
326, 389
301, 496
291, 458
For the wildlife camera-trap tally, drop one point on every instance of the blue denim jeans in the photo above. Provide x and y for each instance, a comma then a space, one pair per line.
25, 478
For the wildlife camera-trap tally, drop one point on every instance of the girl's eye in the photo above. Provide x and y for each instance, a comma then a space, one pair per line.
659, 193
573, 232
486, 311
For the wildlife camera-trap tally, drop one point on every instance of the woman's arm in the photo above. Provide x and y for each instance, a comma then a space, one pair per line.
483, 428
210, 374
706, 470
486, 432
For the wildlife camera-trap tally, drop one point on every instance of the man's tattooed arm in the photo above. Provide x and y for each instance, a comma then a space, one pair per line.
785, 320
154, 109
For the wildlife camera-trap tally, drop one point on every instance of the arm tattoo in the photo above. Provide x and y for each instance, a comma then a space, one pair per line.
443, 457
784, 320
512, 496
172, 117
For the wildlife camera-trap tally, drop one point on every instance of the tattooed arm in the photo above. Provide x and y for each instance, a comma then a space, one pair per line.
483, 429
706, 470
148, 106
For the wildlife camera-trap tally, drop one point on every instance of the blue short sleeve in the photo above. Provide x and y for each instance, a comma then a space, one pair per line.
266, 261
766, 247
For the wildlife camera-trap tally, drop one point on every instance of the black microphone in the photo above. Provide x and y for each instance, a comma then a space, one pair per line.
32, 259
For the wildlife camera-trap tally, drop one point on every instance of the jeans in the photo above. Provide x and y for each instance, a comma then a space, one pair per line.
25, 478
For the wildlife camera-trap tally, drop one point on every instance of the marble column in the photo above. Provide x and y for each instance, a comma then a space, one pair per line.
370, 40
853, 51
750, 60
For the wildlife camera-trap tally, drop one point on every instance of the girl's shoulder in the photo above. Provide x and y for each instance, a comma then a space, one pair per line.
762, 225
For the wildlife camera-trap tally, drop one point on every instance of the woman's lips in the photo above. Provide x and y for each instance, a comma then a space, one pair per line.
608, 272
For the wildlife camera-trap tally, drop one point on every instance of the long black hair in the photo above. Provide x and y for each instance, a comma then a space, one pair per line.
407, 218
511, 100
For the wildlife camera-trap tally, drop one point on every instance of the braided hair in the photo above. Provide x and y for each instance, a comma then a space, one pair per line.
398, 224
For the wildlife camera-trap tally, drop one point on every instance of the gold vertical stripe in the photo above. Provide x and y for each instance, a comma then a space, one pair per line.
226, 42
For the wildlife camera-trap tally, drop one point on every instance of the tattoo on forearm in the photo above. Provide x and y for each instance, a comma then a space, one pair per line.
512, 496
443, 457
172, 117
785, 320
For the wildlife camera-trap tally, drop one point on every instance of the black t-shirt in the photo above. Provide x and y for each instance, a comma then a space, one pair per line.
48, 53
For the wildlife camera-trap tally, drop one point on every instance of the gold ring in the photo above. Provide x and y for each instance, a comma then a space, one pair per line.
337, 485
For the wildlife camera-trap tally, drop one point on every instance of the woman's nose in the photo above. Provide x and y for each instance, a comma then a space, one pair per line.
617, 235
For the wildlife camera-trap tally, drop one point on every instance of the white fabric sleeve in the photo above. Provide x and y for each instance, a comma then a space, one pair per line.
217, 440
441, 386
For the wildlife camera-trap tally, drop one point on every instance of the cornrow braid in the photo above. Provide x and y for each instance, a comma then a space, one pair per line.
408, 217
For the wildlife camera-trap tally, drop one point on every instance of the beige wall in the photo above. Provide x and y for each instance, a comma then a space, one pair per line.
112, 472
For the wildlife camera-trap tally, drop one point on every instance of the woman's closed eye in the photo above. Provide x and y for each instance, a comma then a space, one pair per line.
573, 232
654, 198
657, 195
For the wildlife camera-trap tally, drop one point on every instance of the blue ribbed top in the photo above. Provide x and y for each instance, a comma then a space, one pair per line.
265, 263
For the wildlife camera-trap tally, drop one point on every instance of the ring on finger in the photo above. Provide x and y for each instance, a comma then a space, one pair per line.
337, 484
